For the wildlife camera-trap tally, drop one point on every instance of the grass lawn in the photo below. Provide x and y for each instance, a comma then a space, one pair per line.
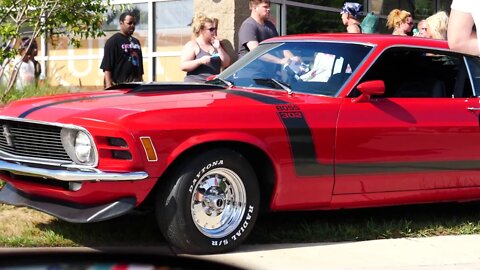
22, 227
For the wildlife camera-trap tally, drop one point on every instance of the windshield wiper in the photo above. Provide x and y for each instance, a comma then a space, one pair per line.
220, 81
274, 84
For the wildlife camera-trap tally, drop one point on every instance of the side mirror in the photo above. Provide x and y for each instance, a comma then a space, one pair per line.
368, 89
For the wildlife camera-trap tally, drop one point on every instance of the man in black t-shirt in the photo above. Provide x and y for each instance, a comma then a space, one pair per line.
122, 59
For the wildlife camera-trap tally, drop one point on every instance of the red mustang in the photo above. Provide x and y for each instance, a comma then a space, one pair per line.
321, 121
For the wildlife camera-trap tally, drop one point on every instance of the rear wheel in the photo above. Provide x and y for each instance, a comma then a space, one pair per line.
210, 203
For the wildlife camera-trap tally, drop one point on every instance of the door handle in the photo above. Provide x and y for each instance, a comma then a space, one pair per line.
473, 109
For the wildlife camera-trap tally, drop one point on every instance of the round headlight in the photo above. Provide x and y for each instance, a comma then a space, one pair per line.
83, 147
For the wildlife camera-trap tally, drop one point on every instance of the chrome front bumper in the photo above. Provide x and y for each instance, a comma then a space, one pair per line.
69, 174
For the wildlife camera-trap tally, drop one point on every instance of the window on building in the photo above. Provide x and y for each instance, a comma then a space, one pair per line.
322, 16
307, 20
444, 4
172, 28
420, 9
276, 16
172, 23
139, 9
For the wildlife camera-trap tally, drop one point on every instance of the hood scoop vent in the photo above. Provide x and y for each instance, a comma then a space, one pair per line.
165, 87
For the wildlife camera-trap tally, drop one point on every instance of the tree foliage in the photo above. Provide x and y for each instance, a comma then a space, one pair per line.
76, 19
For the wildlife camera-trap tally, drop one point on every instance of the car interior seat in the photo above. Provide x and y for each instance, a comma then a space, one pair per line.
337, 79
438, 89
460, 90
421, 88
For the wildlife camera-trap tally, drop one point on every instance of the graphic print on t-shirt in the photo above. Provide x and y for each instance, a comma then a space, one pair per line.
132, 49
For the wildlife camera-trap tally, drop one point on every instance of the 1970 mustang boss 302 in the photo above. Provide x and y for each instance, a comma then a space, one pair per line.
304, 122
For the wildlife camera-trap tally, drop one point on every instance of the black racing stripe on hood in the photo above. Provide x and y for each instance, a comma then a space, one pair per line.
162, 87
258, 97
299, 135
29, 111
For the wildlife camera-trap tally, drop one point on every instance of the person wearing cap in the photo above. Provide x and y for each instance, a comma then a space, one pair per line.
350, 13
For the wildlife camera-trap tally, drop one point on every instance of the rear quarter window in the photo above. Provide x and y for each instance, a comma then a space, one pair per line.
418, 73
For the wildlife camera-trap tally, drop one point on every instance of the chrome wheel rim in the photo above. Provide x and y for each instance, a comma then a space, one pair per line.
218, 202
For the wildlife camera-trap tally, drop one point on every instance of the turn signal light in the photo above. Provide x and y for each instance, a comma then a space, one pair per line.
149, 148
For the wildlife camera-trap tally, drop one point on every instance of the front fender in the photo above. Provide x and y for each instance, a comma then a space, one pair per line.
218, 137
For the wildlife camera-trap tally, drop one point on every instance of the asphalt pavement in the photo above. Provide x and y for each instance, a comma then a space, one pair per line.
429, 253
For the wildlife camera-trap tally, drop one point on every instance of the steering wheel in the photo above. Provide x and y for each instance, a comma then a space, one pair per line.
293, 69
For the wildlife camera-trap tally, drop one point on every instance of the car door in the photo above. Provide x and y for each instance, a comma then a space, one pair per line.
422, 134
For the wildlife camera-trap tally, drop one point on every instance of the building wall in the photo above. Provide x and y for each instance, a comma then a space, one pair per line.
163, 30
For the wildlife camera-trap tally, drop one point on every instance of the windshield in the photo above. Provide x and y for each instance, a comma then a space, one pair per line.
309, 67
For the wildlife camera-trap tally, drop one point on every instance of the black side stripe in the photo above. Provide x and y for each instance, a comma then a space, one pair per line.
27, 112
304, 155
299, 135
301, 142
407, 167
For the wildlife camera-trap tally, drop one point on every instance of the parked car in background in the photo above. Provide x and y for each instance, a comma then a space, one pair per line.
345, 121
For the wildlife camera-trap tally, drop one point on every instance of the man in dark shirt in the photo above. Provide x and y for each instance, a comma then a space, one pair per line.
38, 67
122, 60
256, 28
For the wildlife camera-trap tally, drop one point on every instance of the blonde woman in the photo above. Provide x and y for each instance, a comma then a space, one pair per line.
203, 56
400, 21
437, 25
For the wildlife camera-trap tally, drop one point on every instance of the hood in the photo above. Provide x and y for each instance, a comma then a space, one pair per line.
111, 105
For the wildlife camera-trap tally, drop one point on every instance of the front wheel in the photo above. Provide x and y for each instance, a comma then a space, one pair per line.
209, 204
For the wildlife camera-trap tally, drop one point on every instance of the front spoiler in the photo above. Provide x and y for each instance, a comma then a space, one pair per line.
67, 211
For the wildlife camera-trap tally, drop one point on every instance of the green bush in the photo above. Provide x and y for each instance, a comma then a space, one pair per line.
31, 91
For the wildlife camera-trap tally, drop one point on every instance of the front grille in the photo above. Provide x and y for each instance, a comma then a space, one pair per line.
64, 185
31, 140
